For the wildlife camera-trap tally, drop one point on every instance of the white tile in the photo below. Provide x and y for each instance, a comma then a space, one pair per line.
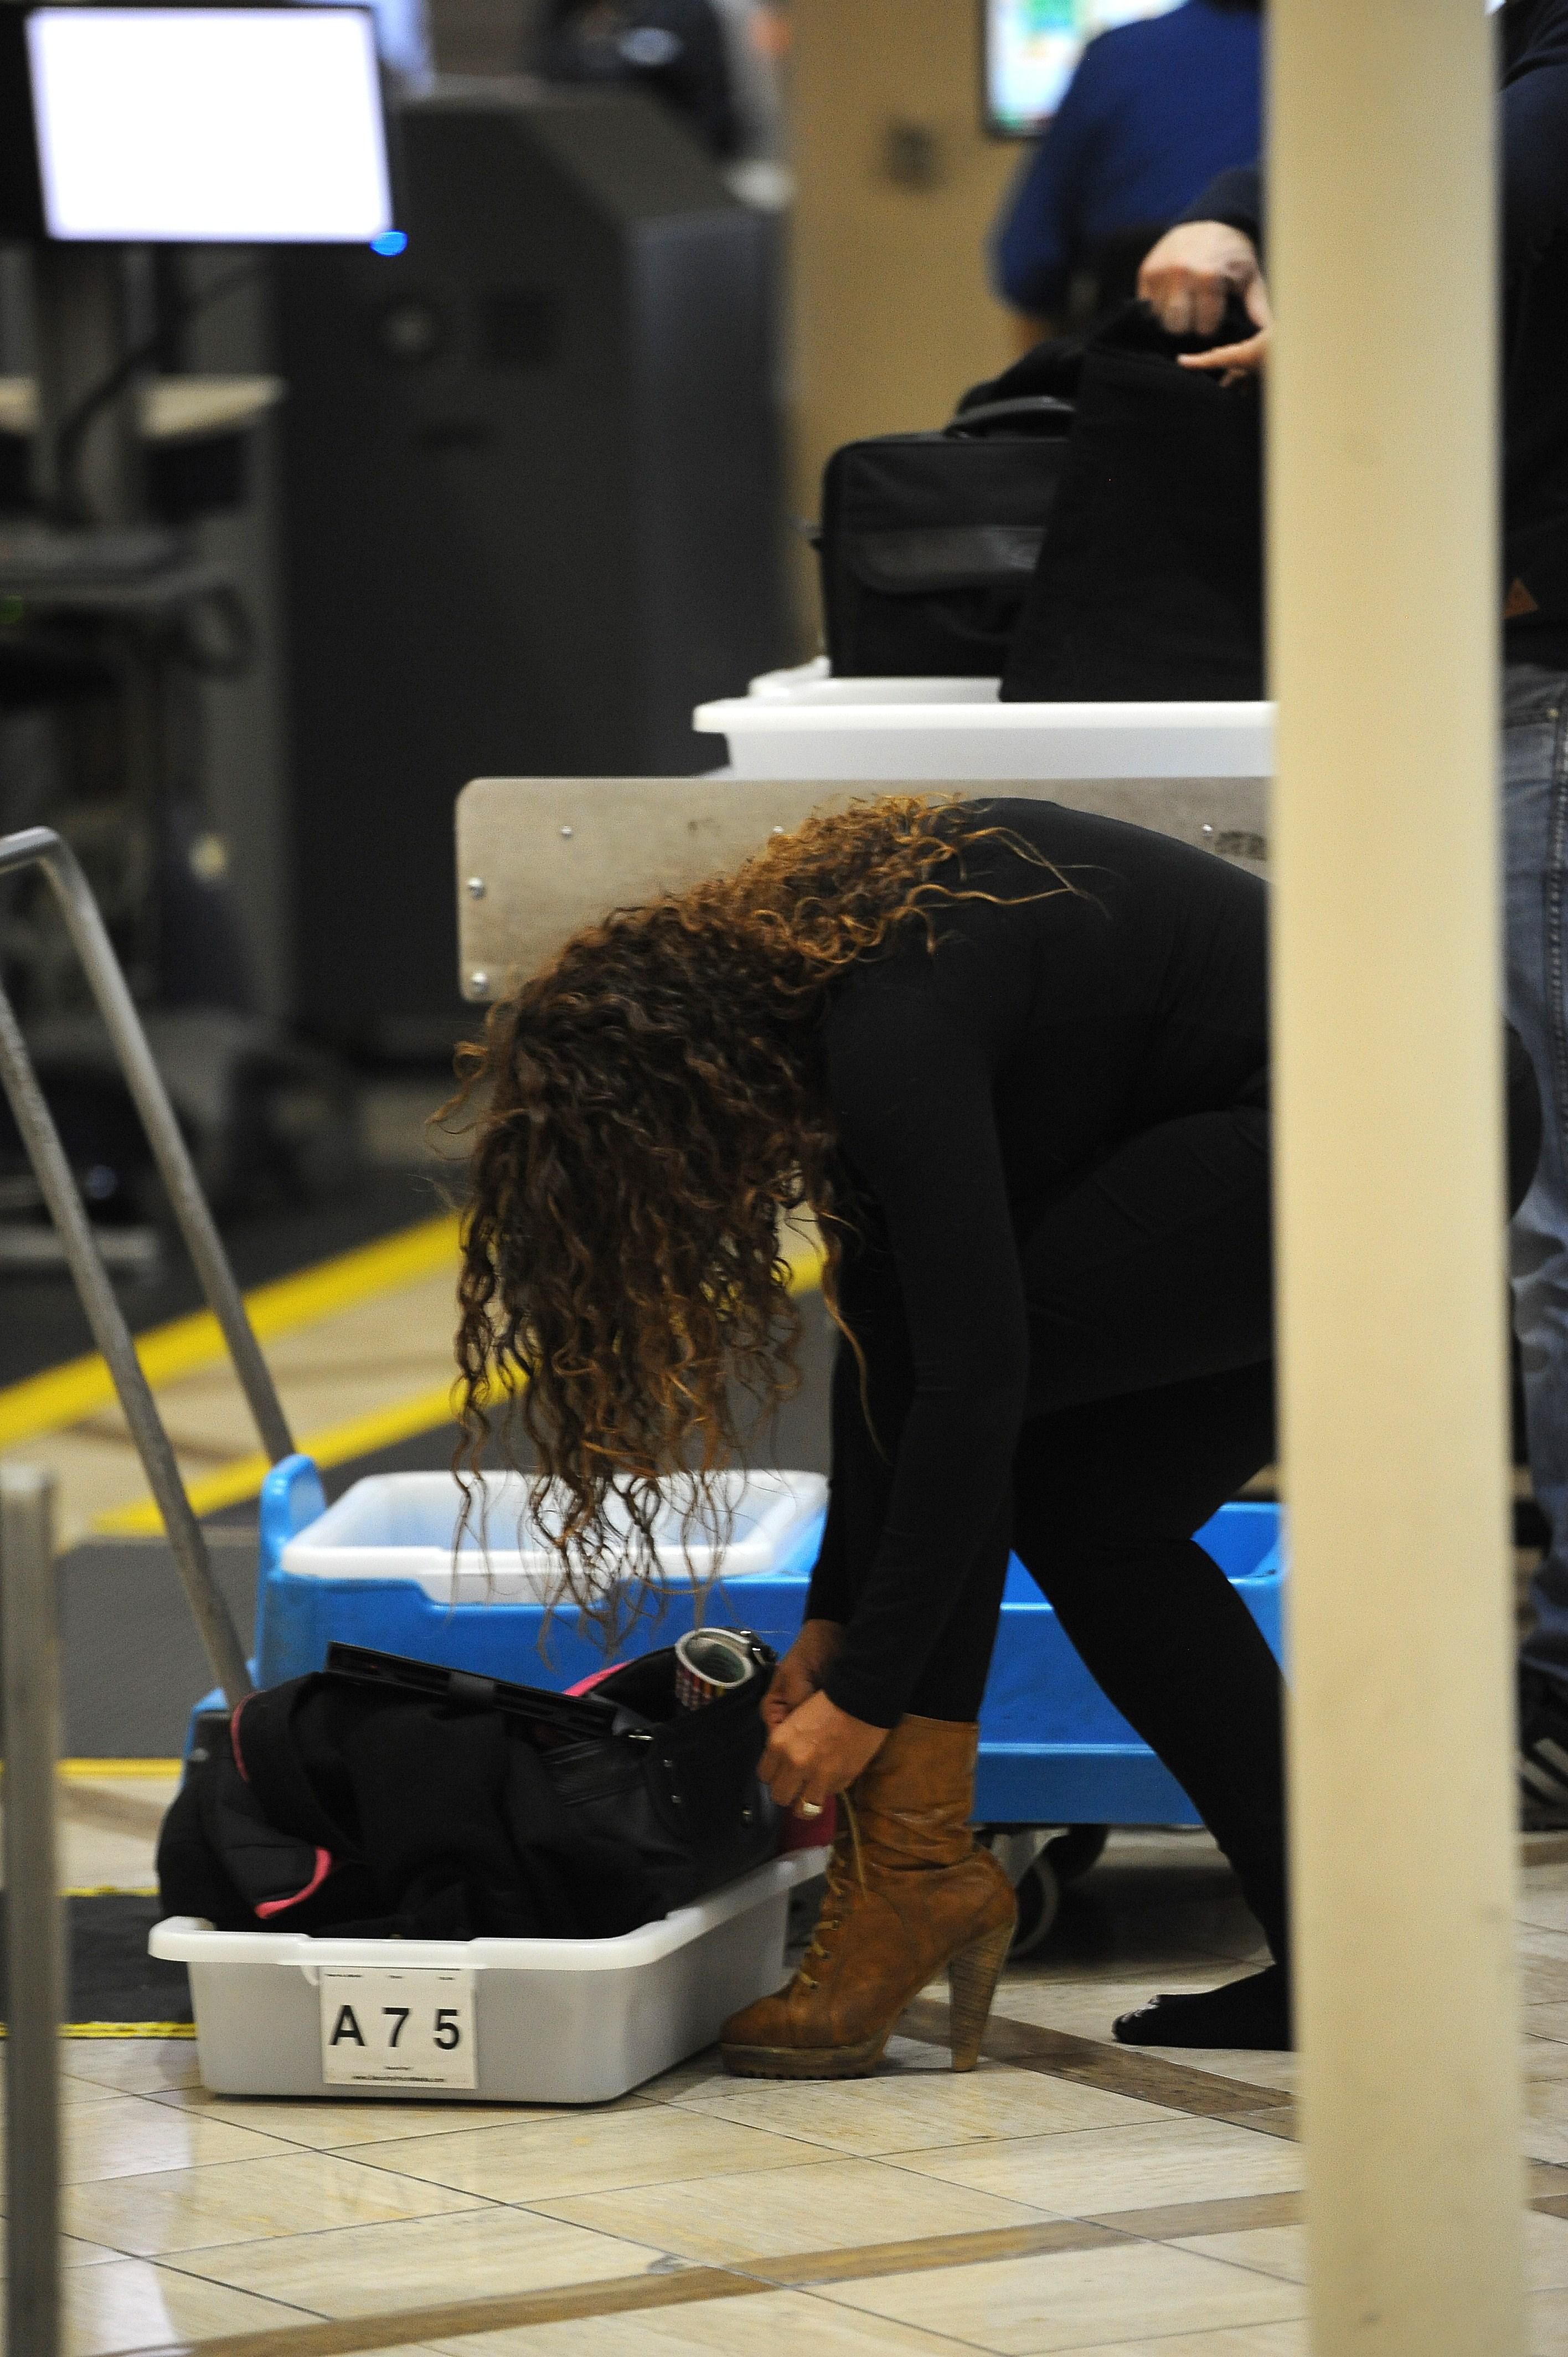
828, 2205
330, 2125
130, 2305
1099, 2170
758, 2326
136, 2066
1272, 2250
1069, 2299
1290, 2340
1283, 2250
157, 2212
590, 2153
108, 1831
420, 2261
904, 2112
128, 2134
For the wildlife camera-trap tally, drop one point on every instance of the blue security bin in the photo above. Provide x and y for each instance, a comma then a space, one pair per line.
1052, 1749
377, 1570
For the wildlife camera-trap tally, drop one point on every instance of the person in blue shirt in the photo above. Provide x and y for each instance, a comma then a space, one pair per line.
1156, 110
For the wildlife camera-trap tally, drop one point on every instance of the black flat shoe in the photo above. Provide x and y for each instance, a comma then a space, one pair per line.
1253, 2013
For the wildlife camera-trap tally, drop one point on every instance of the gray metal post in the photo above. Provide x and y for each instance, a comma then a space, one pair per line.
40, 846
34, 1944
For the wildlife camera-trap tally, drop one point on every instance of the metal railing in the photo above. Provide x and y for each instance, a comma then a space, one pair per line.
29, 1641
39, 846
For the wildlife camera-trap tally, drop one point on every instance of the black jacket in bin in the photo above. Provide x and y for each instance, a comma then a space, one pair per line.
331, 1806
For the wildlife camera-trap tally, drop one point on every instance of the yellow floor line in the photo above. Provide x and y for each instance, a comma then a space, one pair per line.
63, 1395
87, 1771
356, 1437
337, 1444
128, 2029
334, 1444
121, 2029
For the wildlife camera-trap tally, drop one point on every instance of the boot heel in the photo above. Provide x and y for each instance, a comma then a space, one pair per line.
972, 1975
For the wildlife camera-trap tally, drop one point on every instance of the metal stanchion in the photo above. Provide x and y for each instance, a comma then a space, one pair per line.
112, 1335
34, 1944
38, 847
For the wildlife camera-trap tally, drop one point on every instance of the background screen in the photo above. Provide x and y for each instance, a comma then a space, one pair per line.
242, 126
1032, 47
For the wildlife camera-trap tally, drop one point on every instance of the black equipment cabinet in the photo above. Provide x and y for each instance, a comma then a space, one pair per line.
532, 511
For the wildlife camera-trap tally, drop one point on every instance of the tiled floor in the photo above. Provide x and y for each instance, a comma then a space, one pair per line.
1071, 2196
108, 1821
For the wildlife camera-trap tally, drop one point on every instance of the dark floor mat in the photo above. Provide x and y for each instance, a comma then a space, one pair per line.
113, 1981
131, 1662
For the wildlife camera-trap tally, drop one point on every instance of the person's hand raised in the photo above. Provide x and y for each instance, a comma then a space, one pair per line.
1187, 280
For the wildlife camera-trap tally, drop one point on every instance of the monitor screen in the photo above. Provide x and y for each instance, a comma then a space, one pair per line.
234, 126
1032, 47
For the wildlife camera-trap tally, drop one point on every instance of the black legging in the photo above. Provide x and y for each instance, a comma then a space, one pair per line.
1150, 1297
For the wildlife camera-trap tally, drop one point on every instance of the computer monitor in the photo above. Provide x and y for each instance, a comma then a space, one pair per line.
193, 125
1031, 49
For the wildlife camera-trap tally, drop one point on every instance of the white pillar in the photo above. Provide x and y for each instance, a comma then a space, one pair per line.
1385, 621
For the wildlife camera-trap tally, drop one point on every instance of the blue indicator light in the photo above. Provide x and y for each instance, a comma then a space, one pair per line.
389, 240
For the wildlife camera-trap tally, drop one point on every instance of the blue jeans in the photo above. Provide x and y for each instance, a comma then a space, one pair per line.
1535, 838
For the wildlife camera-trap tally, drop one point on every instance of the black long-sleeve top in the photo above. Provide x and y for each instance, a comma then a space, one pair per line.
1534, 157
971, 1085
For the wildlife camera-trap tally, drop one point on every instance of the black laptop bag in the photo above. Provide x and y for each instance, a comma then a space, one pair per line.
385, 1798
929, 542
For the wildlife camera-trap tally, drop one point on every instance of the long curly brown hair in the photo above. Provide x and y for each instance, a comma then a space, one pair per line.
651, 1109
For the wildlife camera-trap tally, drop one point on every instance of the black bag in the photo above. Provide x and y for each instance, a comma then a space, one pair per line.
386, 1798
1150, 581
928, 542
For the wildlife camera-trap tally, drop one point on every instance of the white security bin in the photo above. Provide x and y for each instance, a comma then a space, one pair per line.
379, 1568
520, 2022
400, 1526
806, 723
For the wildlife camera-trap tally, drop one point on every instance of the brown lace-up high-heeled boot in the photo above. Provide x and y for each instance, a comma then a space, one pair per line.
908, 1892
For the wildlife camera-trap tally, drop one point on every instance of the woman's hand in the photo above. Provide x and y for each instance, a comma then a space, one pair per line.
815, 1751
1187, 280
802, 1671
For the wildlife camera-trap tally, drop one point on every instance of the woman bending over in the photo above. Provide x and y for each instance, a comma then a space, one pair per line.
1014, 1059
